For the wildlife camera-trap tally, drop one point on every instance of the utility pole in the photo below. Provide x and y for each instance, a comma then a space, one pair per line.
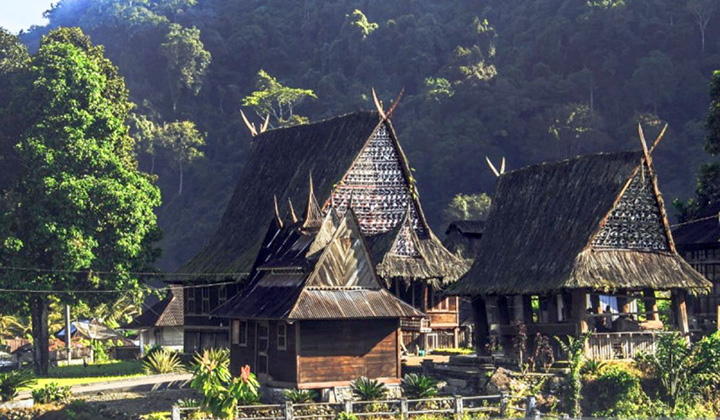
67, 334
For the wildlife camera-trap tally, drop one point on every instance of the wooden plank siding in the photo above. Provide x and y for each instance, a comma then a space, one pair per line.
341, 351
282, 364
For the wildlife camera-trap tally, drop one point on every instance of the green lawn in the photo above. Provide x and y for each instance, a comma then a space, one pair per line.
79, 374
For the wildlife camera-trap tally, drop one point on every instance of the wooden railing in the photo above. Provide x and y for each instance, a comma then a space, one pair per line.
621, 345
452, 407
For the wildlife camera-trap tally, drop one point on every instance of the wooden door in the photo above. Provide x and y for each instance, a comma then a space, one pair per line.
262, 346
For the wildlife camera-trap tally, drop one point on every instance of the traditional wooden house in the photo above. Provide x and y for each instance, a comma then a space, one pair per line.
161, 324
356, 162
463, 236
698, 241
566, 235
314, 313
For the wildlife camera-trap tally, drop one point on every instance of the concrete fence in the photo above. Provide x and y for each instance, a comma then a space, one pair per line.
456, 407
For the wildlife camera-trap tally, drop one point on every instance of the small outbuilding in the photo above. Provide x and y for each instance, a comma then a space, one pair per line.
563, 239
314, 314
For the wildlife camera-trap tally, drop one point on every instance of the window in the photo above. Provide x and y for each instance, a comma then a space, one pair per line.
190, 307
282, 336
222, 295
239, 332
205, 300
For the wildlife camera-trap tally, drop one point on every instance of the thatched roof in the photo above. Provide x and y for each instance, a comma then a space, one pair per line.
279, 164
467, 227
303, 274
593, 221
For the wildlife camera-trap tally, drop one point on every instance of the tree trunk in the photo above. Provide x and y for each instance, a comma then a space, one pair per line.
152, 163
41, 338
181, 180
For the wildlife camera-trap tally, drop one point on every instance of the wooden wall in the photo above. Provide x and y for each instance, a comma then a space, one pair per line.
282, 363
337, 351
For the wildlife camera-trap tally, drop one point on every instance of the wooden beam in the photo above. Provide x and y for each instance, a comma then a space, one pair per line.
579, 309
679, 305
651, 304
482, 327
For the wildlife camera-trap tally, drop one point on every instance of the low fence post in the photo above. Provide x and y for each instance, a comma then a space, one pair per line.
175, 413
459, 408
288, 410
504, 402
348, 407
403, 408
530, 407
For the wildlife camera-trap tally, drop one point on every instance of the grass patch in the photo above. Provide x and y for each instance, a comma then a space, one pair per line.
101, 372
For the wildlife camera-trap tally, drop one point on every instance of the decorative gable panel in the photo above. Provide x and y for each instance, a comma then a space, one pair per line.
636, 221
376, 188
345, 260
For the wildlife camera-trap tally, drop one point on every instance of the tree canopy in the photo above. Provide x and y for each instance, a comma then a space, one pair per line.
528, 80
79, 213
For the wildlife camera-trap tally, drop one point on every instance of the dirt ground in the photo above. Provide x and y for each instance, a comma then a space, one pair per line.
137, 403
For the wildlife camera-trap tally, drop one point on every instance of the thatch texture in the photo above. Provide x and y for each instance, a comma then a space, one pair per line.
542, 220
280, 163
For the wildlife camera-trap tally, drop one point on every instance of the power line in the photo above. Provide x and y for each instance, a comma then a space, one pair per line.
109, 291
136, 273
702, 219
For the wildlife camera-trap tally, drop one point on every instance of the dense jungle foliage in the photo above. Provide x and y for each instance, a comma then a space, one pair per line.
528, 80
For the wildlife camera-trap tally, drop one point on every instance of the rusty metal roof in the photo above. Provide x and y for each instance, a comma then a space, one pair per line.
344, 304
337, 283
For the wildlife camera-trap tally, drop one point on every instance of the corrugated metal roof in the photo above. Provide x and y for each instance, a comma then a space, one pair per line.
350, 304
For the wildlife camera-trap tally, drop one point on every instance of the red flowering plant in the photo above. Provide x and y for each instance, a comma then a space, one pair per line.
221, 392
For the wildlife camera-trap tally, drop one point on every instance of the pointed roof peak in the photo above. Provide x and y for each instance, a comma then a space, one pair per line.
278, 219
292, 211
313, 214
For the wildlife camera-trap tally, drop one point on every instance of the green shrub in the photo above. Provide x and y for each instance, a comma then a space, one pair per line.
575, 351
99, 351
419, 386
368, 389
52, 393
616, 392
150, 350
683, 371
163, 361
221, 393
300, 396
346, 416
11, 382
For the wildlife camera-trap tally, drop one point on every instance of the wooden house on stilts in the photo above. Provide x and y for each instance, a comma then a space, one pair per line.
576, 246
356, 162
314, 313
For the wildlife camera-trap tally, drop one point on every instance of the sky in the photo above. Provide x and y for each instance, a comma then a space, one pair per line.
21, 14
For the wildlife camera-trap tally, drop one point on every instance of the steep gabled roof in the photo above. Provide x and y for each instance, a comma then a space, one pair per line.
279, 163
593, 221
168, 312
467, 227
356, 162
336, 282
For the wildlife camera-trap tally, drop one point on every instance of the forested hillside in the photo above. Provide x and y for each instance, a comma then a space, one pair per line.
528, 80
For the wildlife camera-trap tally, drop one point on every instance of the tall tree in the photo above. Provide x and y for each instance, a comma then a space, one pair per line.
187, 61
183, 140
278, 100
80, 215
702, 11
